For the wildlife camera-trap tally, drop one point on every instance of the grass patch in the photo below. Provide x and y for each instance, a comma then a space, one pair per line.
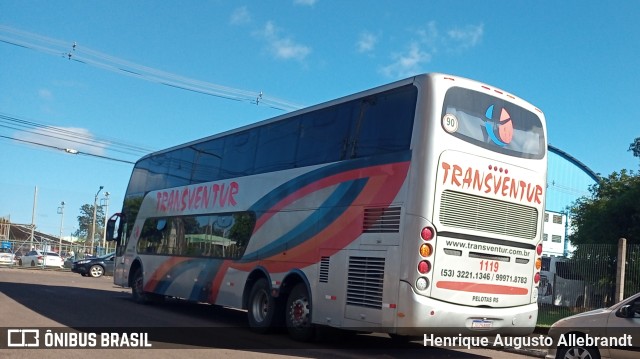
549, 314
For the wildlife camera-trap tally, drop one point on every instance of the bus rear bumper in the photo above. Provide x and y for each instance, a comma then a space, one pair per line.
429, 315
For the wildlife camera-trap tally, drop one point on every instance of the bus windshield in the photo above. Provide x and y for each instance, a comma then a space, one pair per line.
494, 124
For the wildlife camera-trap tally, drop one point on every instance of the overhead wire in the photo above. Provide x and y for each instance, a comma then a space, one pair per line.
69, 137
73, 52
84, 55
67, 150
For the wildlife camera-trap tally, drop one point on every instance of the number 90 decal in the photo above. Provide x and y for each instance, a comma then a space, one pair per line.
450, 123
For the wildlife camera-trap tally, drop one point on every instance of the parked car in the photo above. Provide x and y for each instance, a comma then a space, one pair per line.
6, 256
68, 263
618, 324
95, 267
41, 258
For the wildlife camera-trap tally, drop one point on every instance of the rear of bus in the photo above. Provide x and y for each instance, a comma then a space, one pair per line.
475, 210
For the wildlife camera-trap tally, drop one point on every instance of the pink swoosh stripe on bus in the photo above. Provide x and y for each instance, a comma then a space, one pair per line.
482, 288
383, 186
323, 183
380, 190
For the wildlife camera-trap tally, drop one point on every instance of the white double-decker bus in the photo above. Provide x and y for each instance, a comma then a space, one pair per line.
411, 208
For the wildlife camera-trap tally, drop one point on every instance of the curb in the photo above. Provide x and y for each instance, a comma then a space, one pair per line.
538, 353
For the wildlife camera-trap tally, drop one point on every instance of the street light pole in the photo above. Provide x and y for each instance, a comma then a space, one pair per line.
61, 213
93, 226
33, 218
106, 214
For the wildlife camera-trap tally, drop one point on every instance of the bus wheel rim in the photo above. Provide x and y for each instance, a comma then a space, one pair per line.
260, 306
299, 312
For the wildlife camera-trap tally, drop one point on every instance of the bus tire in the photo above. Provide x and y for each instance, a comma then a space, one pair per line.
137, 288
262, 307
298, 314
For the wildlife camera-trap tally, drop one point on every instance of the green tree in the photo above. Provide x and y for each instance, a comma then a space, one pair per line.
611, 212
635, 147
85, 222
598, 222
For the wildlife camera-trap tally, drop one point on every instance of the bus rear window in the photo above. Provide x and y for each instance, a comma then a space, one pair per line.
492, 123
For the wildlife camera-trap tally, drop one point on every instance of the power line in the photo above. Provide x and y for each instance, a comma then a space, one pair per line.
67, 135
68, 150
67, 140
84, 55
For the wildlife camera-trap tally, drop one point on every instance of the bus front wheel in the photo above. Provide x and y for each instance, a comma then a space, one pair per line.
137, 288
298, 315
262, 307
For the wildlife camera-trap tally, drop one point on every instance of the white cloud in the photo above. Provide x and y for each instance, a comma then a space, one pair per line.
407, 63
426, 43
305, 2
45, 94
79, 139
240, 16
429, 35
367, 42
282, 47
464, 38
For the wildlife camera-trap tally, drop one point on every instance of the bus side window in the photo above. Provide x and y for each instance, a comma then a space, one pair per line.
324, 135
208, 160
277, 143
386, 122
239, 154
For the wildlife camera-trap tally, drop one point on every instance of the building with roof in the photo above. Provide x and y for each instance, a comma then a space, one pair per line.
567, 180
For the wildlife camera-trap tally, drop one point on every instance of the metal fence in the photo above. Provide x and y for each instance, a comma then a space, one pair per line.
66, 250
590, 278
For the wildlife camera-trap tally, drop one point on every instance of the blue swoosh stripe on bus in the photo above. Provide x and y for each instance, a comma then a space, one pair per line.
201, 290
205, 276
284, 190
328, 211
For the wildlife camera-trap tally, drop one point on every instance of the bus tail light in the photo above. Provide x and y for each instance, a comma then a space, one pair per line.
426, 250
422, 283
536, 278
427, 233
424, 267
538, 263
539, 249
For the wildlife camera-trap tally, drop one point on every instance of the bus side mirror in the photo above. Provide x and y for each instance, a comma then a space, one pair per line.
111, 228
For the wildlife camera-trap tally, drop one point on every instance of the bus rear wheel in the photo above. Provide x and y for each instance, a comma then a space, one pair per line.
298, 314
262, 307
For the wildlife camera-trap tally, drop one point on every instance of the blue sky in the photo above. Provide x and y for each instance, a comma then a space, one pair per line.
200, 66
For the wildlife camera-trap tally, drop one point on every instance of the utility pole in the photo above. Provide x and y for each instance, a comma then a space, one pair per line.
93, 226
61, 213
33, 218
106, 212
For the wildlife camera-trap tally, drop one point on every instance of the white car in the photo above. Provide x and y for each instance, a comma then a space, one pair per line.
41, 258
6, 256
612, 332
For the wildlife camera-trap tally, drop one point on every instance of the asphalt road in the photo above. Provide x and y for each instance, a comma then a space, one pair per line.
42, 299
